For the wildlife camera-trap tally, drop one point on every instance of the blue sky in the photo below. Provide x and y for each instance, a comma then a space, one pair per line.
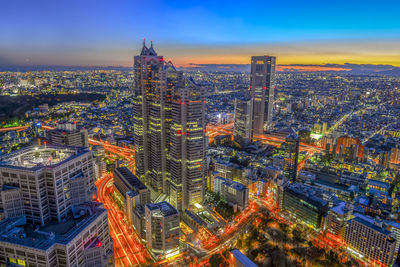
90, 32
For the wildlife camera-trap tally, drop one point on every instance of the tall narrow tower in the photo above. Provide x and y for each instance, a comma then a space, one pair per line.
187, 151
168, 130
262, 91
149, 99
291, 149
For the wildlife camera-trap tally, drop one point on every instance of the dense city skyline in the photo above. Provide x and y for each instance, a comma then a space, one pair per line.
106, 33
261, 133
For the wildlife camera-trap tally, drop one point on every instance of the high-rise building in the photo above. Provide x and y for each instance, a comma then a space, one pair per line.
187, 146
68, 134
168, 130
51, 179
262, 91
242, 127
291, 148
49, 218
162, 229
371, 239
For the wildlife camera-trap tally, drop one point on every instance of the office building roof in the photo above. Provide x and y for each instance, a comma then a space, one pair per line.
16, 231
34, 158
371, 223
128, 177
163, 207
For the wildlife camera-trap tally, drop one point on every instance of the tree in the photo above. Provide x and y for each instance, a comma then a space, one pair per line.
216, 260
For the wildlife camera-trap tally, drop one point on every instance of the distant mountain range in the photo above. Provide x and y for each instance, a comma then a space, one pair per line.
357, 69
345, 68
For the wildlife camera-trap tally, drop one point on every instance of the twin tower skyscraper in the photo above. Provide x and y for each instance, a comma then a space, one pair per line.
169, 124
169, 130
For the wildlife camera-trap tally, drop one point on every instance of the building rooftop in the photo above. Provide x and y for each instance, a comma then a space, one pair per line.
235, 185
371, 223
342, 208
306, 193
16, 231
196, 218
34, 158
163, 207
130, 179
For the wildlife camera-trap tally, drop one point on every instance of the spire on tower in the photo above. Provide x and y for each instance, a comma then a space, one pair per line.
145, 50
151, 49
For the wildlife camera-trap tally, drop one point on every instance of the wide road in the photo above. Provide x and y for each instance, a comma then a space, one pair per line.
128, 249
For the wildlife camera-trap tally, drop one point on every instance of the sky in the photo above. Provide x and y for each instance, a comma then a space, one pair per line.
110, 33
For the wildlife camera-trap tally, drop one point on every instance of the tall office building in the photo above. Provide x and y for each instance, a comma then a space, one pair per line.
291, 148
187, 146
262, 91
242, 126
168, 129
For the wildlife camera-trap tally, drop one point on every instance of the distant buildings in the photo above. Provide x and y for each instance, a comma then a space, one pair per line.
169, 130
162, 229
68, 134
262, 91
242, 127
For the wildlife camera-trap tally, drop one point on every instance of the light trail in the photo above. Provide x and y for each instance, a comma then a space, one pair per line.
128, 245
18, 128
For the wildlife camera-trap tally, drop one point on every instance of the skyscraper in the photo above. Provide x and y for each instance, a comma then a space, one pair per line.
262, 91
149, 108
187, 146
291, 148
168, 130
242, 128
